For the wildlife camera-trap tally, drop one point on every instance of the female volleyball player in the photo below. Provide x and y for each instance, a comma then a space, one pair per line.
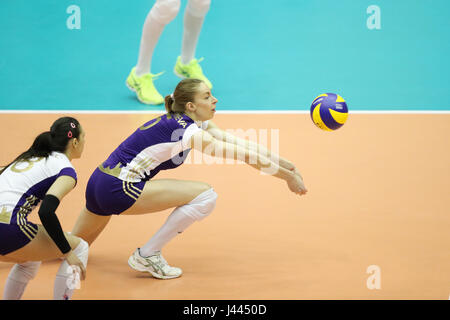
140, 80
123, 184
43, 172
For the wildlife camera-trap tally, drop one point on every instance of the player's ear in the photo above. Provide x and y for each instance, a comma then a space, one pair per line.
190, 106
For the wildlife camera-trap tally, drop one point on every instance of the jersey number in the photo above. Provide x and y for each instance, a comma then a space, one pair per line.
29, 163
151, 124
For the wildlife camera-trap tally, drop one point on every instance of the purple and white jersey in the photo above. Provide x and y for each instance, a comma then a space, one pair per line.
24, 184
160, 144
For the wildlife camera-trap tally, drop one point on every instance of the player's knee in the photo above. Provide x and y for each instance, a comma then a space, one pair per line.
198, 8
24, 272
202, 187
210, 201
165, 11
204, 203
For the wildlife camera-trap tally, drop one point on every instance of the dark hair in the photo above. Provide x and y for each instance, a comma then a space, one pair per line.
184, 92
61, 131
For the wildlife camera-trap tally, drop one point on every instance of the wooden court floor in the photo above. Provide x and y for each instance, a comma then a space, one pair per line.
378, 196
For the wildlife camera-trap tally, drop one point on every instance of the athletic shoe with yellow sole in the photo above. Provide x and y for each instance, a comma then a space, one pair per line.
144, 88
192, 70
155, 264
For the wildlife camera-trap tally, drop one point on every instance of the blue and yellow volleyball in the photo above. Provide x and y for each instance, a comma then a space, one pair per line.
329, 111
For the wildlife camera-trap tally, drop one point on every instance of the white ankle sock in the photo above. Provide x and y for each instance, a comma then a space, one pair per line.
191, 33
150, 35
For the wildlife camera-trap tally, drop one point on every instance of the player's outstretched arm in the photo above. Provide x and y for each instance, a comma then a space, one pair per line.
204, 142
223, 135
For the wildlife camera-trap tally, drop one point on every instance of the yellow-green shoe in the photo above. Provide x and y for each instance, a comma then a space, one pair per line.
144, 88
192, 70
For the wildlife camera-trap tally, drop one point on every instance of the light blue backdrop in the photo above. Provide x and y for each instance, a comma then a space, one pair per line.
259, 54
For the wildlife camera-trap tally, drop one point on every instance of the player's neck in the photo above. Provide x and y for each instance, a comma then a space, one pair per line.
68, 154
191, 115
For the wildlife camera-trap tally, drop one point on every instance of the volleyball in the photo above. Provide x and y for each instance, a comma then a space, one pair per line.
329, 111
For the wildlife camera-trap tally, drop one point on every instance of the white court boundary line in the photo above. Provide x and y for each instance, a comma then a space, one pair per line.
221, 111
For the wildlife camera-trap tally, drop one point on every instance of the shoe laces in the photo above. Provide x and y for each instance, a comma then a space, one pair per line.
194, 65
151, 76
160, 261
148, 79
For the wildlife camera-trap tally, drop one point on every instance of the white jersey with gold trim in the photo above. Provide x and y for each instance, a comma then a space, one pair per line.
24, 184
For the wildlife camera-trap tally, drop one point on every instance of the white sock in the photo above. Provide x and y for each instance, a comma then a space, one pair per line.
191, 33
181, 218
18, 279
14, 289
176, 223
61, 289
150, 35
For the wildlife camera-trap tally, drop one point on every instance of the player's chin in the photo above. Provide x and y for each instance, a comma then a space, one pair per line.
212, 113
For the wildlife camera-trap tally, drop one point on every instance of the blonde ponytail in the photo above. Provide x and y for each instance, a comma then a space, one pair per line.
183, 93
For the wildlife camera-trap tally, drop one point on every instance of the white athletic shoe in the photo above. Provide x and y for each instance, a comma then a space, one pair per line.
155, 264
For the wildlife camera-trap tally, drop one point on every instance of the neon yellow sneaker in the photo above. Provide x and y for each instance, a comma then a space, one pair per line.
192, 70
144, 88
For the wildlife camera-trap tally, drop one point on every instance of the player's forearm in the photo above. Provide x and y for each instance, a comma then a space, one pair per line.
253, 146
266, 165
222, 135
251, 157
283, 163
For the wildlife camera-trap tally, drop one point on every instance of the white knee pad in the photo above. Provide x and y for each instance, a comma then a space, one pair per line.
198, 8
165, 11
24, 272
202, 205
82, 251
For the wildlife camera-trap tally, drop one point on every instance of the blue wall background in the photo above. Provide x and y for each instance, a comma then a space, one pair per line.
259, 54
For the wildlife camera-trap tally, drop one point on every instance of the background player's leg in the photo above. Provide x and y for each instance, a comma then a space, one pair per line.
162, 12
140, 80
186, 65
150, 35
194, 16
